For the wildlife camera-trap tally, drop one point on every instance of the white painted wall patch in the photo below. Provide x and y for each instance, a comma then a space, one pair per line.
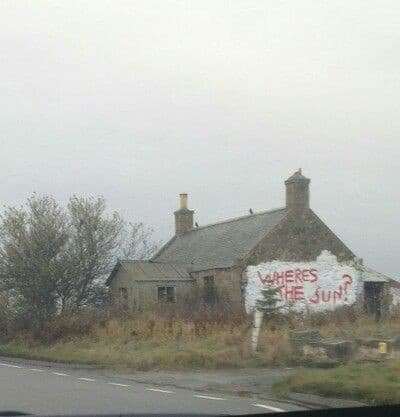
323, 284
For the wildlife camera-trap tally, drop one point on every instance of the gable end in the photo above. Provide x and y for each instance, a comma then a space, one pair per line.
299, 237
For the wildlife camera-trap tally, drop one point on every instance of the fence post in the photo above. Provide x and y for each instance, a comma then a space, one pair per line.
258, 317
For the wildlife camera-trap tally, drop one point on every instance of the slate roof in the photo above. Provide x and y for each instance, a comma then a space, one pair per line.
394, 283
222, 244
370, 275
150, 271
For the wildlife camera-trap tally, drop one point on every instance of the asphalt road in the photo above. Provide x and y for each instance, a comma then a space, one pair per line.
28, 387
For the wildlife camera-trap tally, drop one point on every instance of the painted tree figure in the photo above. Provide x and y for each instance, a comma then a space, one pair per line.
269, 305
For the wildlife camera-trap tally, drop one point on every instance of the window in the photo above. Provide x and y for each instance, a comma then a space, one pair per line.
210, 292
166, 294
123, 294
209, 281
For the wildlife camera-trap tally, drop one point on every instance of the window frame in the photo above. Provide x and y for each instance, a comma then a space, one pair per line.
166, 298
209, 289
123, 294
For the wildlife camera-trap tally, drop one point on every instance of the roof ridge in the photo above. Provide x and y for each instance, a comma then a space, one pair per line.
220, 244
131, 260
150, 261
235, 219
168, 243
134, 260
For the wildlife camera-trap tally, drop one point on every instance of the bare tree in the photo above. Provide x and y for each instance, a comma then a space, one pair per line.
137, 242
92, 247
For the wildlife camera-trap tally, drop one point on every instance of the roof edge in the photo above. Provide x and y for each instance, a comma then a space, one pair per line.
165, 246
331, 231
149, 261
249, 253
113, 272
233, 219
162, 249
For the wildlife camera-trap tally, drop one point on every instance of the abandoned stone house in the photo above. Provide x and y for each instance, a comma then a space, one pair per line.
213, 259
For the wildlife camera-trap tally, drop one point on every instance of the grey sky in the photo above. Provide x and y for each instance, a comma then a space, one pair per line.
140, 100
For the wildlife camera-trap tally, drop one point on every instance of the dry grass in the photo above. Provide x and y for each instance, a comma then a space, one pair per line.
177, 340
154, 343
373, 383
362, 327
151, 341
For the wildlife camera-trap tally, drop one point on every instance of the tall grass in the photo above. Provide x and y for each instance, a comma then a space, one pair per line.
173, 338
368, 382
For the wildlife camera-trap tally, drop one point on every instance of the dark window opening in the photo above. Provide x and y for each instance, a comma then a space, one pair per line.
373, 299
166, 294
123, 294
210, 291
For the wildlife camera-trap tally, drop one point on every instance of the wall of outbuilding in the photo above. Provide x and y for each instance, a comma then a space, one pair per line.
143, 295
228, 283
123, 278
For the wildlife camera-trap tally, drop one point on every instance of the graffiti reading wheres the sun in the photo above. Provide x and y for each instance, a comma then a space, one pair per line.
290, 285
322, 284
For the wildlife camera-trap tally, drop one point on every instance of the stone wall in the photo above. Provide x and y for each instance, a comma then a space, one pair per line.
143, 295
300, 237
228, 282
394, 294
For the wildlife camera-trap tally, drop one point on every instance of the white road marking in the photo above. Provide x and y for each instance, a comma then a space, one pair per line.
11, 366
160, 390
268, 407
206, 397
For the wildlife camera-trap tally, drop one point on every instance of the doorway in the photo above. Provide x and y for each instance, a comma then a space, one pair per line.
373, 299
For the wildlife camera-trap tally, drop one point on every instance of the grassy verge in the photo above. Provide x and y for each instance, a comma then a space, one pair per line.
373, 383
146, 357
139, 344
175, 342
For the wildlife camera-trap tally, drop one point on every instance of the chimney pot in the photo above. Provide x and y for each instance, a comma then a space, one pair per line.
183, 216
183, 200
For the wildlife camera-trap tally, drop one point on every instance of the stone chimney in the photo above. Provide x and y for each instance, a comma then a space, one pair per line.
183, 216
297, 192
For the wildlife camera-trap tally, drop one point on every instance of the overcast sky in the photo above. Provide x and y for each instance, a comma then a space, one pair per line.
141, 100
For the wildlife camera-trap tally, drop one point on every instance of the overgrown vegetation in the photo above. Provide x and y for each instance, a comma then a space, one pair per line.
54, 260
172, 338
369, 382
181, 337
374, 383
